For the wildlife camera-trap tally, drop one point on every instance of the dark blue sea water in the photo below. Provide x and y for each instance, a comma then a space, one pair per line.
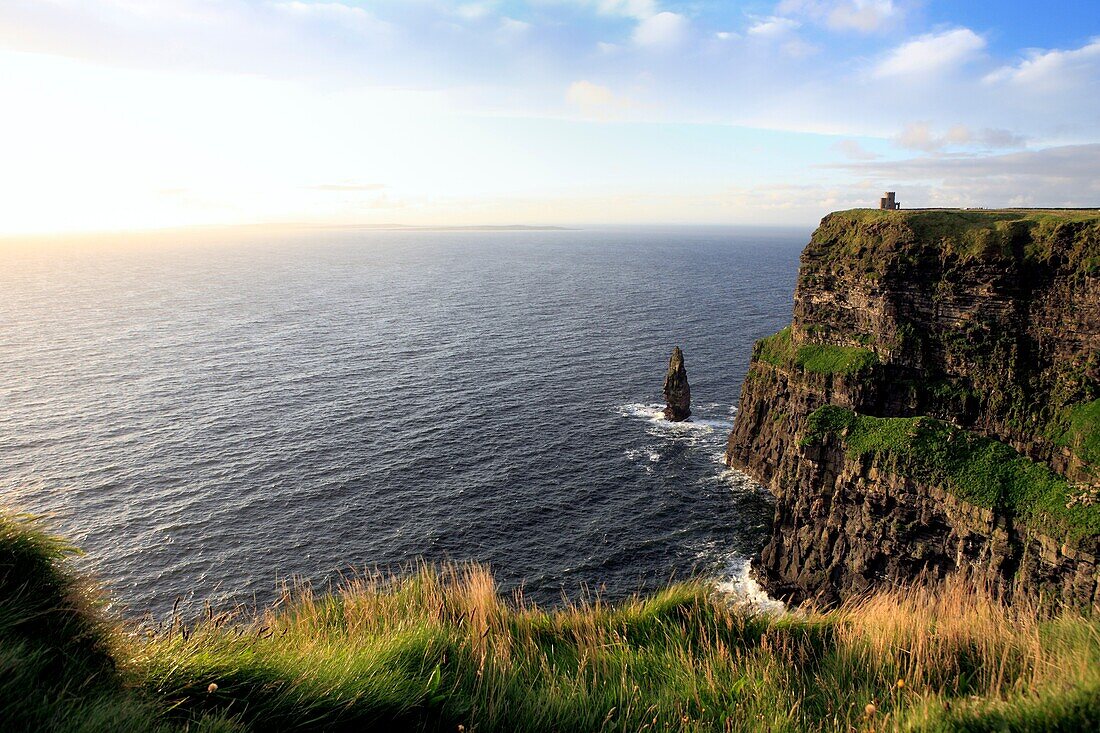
206, 418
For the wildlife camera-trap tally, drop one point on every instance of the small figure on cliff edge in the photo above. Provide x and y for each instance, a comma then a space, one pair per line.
677, 391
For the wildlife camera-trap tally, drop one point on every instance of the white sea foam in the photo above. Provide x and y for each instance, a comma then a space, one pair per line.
713, 424
646, 456
655, 413
703, 431
744, 591
706, 434
737, 480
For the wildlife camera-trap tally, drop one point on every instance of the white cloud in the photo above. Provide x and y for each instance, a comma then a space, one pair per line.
931, 53
852, 150
346, 15
473, 11
1053, 70
782, 31
596, 100
484, 68
274, 39
997, 138
860, 15
772, 27
631, 8
865, 15
655, 28
511, 29
638, 9
508, 30
663, 30
920, 136
584, 93
796, 48
1056, 176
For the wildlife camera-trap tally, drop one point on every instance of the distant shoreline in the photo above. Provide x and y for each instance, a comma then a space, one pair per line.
467, 228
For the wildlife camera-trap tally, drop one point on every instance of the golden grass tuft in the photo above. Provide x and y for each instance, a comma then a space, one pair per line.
439, 647
441, 644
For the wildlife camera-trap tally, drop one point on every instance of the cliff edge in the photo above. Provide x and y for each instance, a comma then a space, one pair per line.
933, 406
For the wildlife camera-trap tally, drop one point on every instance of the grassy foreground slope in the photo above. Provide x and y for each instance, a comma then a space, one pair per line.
441, 650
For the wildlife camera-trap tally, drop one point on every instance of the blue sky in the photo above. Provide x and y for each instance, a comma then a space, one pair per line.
1016, 24
129, 114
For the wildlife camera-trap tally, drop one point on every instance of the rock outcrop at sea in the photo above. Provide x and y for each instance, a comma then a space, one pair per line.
934, 407
677, 391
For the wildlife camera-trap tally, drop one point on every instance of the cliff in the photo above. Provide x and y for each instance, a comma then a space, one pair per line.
933, 406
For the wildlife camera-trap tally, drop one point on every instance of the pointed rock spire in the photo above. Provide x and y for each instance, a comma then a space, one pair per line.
677, 392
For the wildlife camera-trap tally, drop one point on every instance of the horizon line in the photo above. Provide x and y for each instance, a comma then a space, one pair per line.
30, 236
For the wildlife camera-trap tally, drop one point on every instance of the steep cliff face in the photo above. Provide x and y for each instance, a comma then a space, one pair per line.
934, 405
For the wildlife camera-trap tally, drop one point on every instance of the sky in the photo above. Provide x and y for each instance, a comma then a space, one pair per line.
142, 114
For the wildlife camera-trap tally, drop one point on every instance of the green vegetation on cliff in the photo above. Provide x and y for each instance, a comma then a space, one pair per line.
980, 470
442, 651
976, 301
870, 240
1080, 431
973, 334
61, 665
780, 350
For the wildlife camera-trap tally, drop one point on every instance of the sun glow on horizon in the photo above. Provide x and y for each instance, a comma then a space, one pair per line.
125, 150
123, 116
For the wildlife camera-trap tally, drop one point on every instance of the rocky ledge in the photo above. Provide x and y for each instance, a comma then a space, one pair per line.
933, 407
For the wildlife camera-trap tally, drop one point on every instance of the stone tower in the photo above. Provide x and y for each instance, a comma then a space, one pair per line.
888, 202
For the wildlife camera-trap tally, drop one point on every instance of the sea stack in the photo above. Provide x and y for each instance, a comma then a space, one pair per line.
677, 391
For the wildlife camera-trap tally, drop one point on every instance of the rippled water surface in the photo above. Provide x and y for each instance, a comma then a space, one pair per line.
208, 417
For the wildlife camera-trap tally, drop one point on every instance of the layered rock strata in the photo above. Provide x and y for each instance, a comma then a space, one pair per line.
677, 391
933, 407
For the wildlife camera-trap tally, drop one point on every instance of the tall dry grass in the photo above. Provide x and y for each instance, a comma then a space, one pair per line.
440, 648
437, 649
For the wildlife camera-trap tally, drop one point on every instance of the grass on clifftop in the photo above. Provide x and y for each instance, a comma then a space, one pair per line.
59, 656
869, 238
980, 470
779, 350
440, 650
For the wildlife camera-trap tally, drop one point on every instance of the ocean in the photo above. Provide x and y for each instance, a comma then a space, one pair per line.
209, 417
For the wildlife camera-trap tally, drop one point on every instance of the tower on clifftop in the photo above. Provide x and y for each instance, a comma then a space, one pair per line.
888, 202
